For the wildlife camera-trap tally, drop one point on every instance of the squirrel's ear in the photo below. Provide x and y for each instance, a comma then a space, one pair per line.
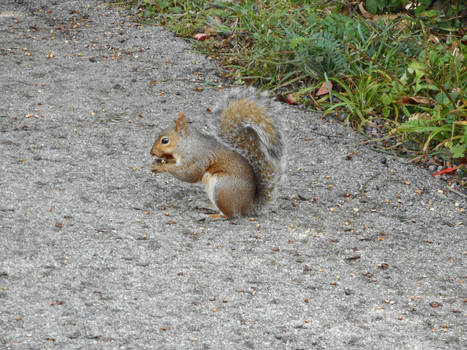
180, 123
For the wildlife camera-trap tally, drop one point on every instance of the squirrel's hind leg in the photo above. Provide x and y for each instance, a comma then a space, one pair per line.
231, 195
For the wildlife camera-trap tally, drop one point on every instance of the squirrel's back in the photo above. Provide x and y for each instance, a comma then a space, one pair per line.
250, 124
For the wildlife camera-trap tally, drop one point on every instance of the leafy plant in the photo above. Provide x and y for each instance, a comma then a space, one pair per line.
400, 79
441, 75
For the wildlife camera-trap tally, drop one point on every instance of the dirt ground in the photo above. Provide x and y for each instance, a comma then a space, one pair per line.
360, 250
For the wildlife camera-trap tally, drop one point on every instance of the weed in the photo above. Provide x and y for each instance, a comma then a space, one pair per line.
400, 79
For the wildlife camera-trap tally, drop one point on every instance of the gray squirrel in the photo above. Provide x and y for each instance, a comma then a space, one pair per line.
240, 165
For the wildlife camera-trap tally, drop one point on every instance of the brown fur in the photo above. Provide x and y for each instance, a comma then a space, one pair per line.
235, 183
238, 177
165, 151
246, 139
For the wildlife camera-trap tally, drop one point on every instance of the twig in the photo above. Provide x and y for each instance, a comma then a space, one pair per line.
406, 161
362, 189
320, 134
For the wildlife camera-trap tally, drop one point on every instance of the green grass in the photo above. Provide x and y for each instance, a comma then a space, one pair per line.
401, 80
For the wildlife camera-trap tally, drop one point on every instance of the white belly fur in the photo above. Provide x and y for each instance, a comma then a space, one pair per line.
209, 182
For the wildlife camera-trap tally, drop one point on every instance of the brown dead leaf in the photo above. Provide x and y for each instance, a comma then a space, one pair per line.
364, 12
420, 115
324, 89
422, 100
373, 17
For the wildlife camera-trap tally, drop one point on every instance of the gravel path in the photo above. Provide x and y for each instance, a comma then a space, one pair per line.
360, 252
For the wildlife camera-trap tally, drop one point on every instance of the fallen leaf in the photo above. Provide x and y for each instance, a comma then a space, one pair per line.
368, 15
324, 89
291, 100
364, 12
421, 100
200, 36
444, 171
420, 116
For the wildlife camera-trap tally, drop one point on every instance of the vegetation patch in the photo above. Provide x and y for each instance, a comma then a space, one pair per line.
393, 69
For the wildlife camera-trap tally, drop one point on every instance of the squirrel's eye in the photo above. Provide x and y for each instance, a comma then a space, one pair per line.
165, 141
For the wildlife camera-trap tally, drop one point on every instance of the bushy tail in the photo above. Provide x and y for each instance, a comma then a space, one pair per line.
250, 123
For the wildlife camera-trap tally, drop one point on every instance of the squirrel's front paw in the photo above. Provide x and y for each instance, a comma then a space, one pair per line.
158, 166
155, 168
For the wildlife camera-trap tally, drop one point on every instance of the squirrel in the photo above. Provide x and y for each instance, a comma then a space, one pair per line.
241, 165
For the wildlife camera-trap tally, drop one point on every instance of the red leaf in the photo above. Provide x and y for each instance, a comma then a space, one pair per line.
200, 36
444, 171
291, 100
404, 100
